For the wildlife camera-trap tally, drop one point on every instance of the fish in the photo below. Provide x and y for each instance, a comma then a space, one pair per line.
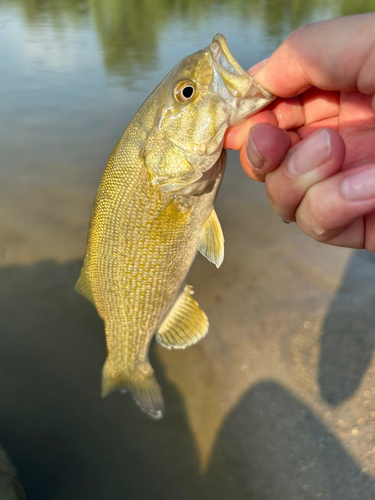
154, 210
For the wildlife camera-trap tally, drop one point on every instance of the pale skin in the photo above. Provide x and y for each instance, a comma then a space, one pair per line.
314, 147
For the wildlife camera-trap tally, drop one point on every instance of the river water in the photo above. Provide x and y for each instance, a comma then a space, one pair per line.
278, 402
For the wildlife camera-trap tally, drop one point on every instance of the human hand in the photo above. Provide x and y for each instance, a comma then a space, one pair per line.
315, 146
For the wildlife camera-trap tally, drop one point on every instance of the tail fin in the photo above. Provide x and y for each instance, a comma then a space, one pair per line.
141, 383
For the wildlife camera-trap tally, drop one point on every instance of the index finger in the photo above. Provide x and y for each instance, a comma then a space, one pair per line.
338, 54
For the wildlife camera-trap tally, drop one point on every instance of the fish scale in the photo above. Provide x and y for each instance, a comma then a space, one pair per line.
133, 241
155, 208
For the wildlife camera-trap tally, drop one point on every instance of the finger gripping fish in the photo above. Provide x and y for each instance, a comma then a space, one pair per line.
155, 208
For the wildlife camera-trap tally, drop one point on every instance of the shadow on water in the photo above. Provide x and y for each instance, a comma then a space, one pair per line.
67, 443
272, 446
348, 333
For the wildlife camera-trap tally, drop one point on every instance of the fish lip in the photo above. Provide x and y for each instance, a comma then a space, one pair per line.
222, 56
229, 79
224, 62
233, 85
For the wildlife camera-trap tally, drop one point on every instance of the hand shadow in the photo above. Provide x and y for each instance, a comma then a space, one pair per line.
272, 446
348, 333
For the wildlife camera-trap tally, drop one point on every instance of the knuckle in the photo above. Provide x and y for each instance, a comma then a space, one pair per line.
270, 192
311, 217
275, 195
282, 197
293, 40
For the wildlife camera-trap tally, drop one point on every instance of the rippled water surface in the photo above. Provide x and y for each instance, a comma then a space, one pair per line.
278, 401
74, 72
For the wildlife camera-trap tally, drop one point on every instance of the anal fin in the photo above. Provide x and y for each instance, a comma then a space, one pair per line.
185, 325
211, 240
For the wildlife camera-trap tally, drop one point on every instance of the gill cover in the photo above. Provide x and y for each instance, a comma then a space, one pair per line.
189, 135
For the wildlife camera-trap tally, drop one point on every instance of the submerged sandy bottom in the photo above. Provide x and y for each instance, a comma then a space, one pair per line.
278, 402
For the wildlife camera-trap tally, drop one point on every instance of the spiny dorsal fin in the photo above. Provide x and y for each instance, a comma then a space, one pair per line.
186, 323
83, 285
142, 385
211, 240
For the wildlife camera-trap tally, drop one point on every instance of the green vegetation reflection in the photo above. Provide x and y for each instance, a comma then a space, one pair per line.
129, 30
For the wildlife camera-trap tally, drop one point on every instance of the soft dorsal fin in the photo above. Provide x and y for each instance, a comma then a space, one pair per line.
211, 240
83, 285
186, 323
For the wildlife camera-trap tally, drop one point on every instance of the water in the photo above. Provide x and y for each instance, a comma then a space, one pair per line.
73, 73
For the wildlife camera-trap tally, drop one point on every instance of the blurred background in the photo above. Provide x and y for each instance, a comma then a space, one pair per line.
278, 402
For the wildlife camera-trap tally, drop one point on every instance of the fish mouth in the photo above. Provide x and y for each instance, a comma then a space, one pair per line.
232, 84
228, 74
223, 57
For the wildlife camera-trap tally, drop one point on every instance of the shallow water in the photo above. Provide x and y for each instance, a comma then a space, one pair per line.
278, 400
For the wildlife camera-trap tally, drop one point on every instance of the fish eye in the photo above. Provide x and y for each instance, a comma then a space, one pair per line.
184, 91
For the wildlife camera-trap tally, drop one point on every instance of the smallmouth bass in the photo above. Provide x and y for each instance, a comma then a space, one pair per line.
155, 208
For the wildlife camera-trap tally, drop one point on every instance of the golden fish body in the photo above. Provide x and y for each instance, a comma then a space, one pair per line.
155, 208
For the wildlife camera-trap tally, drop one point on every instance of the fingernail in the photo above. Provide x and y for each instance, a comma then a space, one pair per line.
315, 151
359, 187
253, 155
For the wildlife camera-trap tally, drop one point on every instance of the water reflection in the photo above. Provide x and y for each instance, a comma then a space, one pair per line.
57, 13
130, 31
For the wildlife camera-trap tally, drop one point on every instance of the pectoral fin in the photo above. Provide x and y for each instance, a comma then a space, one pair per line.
211, 240
185, 325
